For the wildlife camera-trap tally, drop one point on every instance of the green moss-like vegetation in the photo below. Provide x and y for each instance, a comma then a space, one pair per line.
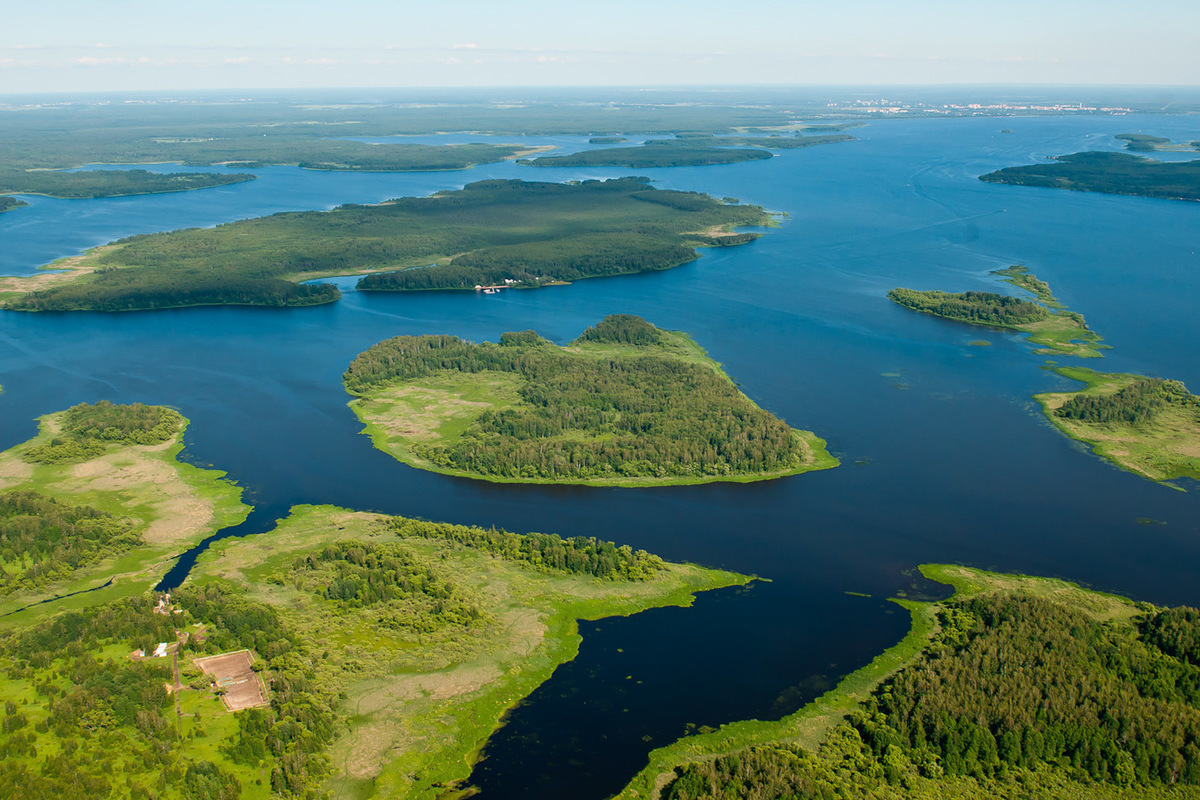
9, 203
1016, 687
1111, 173
1146, 425
625, 404
686, 150
110, 182
428, 632
511, 233
99, 497
1047, 321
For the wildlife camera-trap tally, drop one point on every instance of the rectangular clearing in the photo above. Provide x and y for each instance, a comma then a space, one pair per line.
232, 672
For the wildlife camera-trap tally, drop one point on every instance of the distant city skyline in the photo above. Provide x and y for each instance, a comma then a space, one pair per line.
129, 45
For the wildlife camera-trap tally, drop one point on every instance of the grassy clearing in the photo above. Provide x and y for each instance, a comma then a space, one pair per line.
419, 707
809, 726
1163, 448
173, 504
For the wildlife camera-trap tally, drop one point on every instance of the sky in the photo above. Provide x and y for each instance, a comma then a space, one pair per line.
130, 45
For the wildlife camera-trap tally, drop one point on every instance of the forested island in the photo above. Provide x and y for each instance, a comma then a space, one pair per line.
511, 234
1049, 324
1014, 687
9, 203
686, 150
98, 495
1145, 143
110, 182
343, 652
1110, 173
625, 404
1149, 426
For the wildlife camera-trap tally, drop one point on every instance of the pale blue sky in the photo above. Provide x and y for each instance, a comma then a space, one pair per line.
96, 45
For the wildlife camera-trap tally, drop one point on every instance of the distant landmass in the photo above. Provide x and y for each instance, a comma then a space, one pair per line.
686, 150
490, 235
1110, 173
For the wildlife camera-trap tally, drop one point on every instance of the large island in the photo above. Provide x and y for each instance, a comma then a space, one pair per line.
626, 404
1111, 173
490, 235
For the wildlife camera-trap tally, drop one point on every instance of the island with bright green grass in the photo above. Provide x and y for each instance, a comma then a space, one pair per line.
686, 150
1048, 323
1110, 173
343, 652
625, 404
1149, 426
1015, 687
99, 497
490, 235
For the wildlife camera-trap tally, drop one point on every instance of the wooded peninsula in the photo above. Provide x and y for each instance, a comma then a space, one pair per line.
686, 150
625, 404
1014, 687
1110, 173
1047, 321
510, 234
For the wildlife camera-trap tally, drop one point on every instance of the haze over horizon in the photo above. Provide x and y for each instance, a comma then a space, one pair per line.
81, 46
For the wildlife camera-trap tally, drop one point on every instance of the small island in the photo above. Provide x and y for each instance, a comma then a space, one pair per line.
1110, 173
1149, 426
1014, 687
100, 495
489, 236
9, 203
342, 653
1047, 322
686, 150
1144, 143
625, 404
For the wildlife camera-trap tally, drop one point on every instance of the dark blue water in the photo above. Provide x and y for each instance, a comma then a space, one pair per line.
945, 457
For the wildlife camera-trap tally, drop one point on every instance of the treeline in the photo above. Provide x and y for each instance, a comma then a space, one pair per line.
1014, 688
622, 329
579, 555
414, 594
110, 182
1111, 173
980, 308
1135, 404
88, 429
685, 150
529, 232
584, 416
43, 540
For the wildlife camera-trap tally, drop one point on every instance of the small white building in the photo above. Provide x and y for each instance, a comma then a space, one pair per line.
161, 650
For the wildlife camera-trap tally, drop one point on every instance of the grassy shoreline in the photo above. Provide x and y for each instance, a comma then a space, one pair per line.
1162, 449
174, 505
418, 713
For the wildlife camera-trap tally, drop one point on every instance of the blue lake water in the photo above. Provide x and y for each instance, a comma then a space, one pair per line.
945, 456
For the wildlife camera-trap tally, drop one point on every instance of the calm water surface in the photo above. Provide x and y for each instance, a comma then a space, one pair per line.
945, 457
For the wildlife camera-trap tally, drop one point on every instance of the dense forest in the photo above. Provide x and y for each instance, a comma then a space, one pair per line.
696, 149
1134, 404
584, 415
578, 555
87, 430
1018, 696
530, 233
980, 308
43, 540
1111, 173
110, 182
9, 203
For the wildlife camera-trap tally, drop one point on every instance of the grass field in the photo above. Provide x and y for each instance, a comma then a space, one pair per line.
1163, 448
419, 707
173, 504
